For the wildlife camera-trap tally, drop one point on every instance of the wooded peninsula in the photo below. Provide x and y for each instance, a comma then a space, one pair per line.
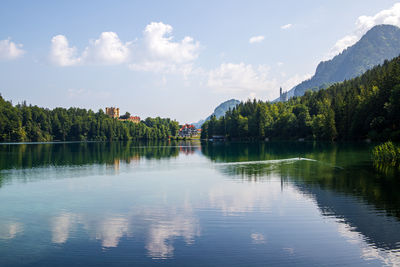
366, 107
21, 123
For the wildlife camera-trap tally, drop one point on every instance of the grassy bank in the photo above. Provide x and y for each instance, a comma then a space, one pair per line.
386, 153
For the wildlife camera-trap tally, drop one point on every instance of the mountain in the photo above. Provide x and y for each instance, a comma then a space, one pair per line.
219, 111
378, 44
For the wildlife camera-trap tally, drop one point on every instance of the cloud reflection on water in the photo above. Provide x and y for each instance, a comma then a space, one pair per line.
169, 225
111, 230
162, 227
61, 226
9, 230
258, 238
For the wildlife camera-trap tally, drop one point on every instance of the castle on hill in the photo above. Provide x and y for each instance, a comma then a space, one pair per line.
283, 96
113, 112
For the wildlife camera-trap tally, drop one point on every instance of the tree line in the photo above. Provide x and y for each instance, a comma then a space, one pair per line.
366, 107
24, 122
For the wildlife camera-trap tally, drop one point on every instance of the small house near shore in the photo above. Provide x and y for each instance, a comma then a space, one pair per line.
188, 130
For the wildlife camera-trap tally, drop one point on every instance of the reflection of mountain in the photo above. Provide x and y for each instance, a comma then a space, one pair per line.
340, 178
375, 225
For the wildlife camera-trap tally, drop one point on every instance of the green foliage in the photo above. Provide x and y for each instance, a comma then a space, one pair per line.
127, 115
366, 107
386, 153
31, 123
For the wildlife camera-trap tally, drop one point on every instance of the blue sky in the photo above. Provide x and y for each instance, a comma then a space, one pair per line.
176, 59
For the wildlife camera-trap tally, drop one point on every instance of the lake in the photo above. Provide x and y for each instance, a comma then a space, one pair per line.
197, 204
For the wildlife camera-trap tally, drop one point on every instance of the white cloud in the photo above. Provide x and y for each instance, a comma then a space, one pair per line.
256, 39
108, 49
156, 51
159, 53
287, 26
161, 46
10, 50
363, 24
61, 53
242, 79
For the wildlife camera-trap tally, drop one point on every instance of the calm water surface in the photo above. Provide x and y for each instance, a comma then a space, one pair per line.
186, 203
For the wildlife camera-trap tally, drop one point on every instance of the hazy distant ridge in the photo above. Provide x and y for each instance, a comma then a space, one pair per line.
219, 111
379, 43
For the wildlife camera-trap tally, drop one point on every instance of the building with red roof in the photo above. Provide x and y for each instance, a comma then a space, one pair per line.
188, 130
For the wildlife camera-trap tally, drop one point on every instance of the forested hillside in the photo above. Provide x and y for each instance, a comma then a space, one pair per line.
31, 123
364, 107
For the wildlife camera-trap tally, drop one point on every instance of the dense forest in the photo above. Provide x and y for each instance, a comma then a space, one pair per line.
24, 122
366, 107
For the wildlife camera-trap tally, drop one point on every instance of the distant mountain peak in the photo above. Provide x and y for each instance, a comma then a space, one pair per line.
381, 42
219, 111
